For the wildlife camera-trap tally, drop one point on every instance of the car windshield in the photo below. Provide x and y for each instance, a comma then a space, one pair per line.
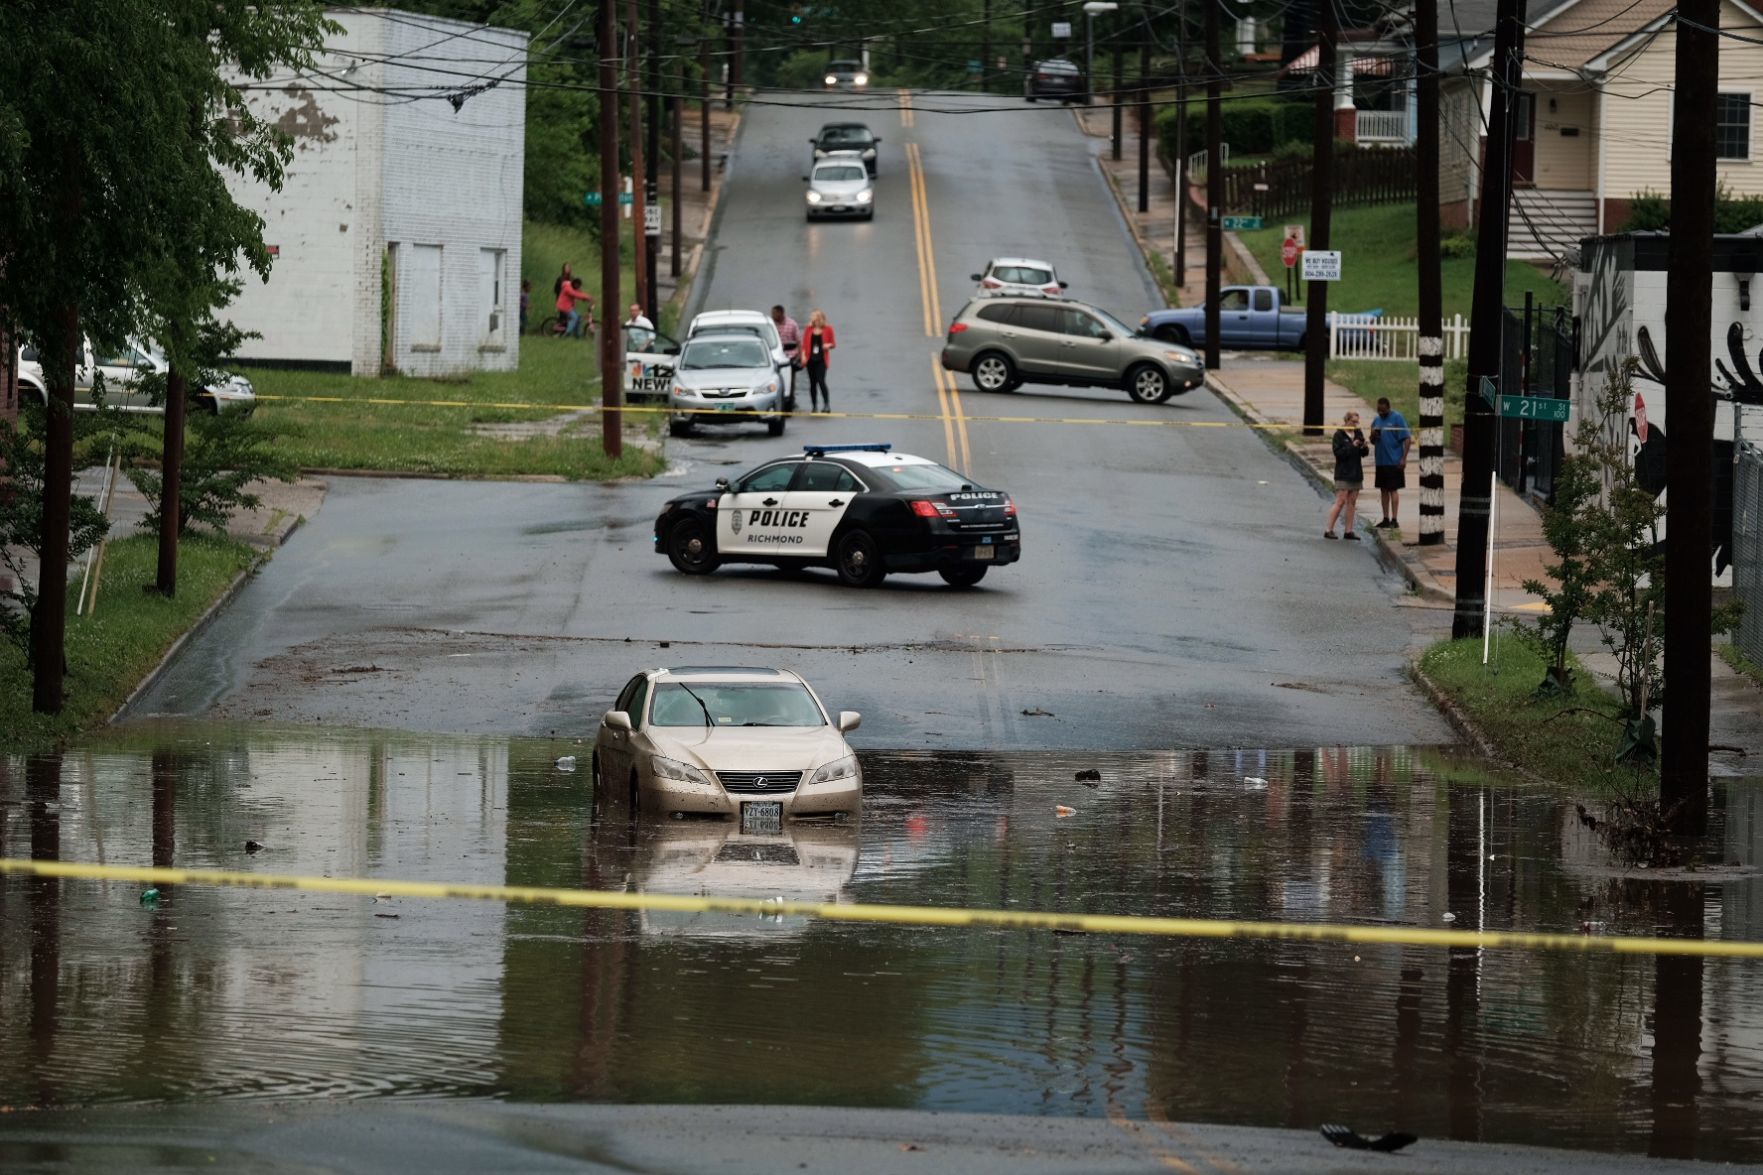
848, 172
925, 477
854, 135
734, 704
712, 353
1023, 275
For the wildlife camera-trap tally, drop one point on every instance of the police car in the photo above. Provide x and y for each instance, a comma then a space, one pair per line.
862, 510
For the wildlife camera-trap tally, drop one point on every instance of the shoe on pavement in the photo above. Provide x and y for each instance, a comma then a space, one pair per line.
1328, 534
1351, 536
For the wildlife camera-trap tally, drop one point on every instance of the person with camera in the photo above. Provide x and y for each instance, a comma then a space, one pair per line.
1350, 449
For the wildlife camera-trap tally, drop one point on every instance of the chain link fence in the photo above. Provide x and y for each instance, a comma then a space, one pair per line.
1747, 548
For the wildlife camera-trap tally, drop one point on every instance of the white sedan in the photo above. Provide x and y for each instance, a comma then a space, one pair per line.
751, 743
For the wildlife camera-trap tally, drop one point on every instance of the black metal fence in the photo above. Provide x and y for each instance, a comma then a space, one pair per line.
1538, 361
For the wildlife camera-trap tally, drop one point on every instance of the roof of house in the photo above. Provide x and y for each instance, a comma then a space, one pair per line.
1580, 31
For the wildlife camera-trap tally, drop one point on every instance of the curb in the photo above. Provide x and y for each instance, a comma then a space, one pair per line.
202, 622
1462, 723
1389, 555
706, 259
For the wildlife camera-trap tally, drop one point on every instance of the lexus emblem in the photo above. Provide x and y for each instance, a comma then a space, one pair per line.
759, 782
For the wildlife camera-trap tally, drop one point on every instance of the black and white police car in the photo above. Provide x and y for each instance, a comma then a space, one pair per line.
862, 510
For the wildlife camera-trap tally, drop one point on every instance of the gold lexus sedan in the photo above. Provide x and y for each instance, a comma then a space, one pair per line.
726, 741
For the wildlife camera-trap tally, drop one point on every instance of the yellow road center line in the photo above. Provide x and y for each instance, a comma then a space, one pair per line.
1155, 1114
906, 116
919, 238
1117, 1117
930, 248
936, 376
1589, 944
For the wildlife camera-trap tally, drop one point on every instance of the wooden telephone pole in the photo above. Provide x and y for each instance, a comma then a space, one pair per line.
1432, 300
1321, 214
611, 366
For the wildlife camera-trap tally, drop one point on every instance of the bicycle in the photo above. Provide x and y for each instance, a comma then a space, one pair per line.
551, 326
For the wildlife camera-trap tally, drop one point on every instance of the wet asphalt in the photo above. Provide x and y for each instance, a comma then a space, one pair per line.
1174, 589
244, 1001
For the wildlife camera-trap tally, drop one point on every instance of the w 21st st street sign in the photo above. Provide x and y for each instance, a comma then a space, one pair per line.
1542, 410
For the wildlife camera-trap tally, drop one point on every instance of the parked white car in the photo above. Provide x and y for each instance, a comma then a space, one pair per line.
123, 370
748, 322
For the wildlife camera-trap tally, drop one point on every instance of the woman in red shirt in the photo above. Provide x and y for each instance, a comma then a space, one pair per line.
817, 342
568, 294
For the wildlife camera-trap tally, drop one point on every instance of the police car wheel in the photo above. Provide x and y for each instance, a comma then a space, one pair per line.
775, 426
1147, 385
690, 549
859, 560
962, 577
993, 372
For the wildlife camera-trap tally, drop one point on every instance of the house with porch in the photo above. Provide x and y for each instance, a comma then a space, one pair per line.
1593, 115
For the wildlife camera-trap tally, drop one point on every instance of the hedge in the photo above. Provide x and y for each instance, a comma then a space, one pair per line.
1252, 126
1651, 212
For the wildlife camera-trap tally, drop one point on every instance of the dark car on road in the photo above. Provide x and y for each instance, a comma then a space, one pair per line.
1057, 78
1006, 341
847, 138
863, 510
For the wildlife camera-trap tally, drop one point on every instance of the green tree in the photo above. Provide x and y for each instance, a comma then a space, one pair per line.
113, 119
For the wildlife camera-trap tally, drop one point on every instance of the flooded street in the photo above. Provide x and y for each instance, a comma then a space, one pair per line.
219, 994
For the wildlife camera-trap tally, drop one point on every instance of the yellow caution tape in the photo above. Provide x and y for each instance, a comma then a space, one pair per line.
662, 410
900, 915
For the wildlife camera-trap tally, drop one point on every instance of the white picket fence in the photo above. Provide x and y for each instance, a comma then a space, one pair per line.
1376, 336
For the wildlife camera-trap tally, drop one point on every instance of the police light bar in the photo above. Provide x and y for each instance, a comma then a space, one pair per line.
821, 450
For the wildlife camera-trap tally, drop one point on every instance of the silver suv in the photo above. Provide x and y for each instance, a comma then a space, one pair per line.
1005, 342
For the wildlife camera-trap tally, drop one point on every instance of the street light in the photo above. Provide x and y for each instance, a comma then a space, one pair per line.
1091, 10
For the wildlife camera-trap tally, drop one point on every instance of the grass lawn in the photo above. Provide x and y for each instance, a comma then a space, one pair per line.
406, 435
1373, 378
1571, 741
1379, 269
121, 640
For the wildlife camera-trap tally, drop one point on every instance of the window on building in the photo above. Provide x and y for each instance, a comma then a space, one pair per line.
1732, 126
491, 293
422, 297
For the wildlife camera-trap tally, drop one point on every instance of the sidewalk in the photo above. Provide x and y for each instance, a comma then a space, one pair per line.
697, 207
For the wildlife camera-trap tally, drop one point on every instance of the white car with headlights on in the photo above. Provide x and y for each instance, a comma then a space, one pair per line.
751, 743
840, 186
725, 379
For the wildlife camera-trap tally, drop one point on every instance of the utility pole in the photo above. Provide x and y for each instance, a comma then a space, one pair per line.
677, 106
1214, 186
1475, 495
738, 70
639, 207
652, 154
1321, 215
1432, 302
704, 115
1145, 127
1180, 261
611, 367
1689, 446
985, 48
1114, 143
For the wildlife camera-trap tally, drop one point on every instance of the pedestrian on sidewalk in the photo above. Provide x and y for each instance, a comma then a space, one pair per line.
526, 301
789, 333
1390, 442
1349, 475
817, 344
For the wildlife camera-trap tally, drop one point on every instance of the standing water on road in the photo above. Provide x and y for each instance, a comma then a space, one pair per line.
239, 993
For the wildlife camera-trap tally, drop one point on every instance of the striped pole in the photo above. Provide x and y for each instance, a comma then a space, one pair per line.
1432, 440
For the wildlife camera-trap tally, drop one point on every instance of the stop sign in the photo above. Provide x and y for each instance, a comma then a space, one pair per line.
1288, 252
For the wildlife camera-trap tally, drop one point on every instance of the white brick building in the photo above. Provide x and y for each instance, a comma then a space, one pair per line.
397, 230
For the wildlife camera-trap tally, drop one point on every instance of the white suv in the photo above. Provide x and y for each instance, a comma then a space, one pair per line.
123, 369
1018, 275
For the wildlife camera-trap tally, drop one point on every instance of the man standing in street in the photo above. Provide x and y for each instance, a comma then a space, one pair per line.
789, 333
1390, 442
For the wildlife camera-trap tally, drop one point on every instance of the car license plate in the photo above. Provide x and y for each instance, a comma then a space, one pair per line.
728, 407
762, 817
985, 552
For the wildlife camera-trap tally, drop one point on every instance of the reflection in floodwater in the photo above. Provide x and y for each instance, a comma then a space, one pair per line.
244, 993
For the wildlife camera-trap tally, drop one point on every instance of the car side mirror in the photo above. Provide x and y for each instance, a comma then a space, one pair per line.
877, 139
670, 351
1104, 337
722, 484
977, 277
804, 179
849, 720
1065, 285
616, 720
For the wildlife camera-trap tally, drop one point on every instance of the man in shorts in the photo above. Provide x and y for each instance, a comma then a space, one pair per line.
1390, 442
